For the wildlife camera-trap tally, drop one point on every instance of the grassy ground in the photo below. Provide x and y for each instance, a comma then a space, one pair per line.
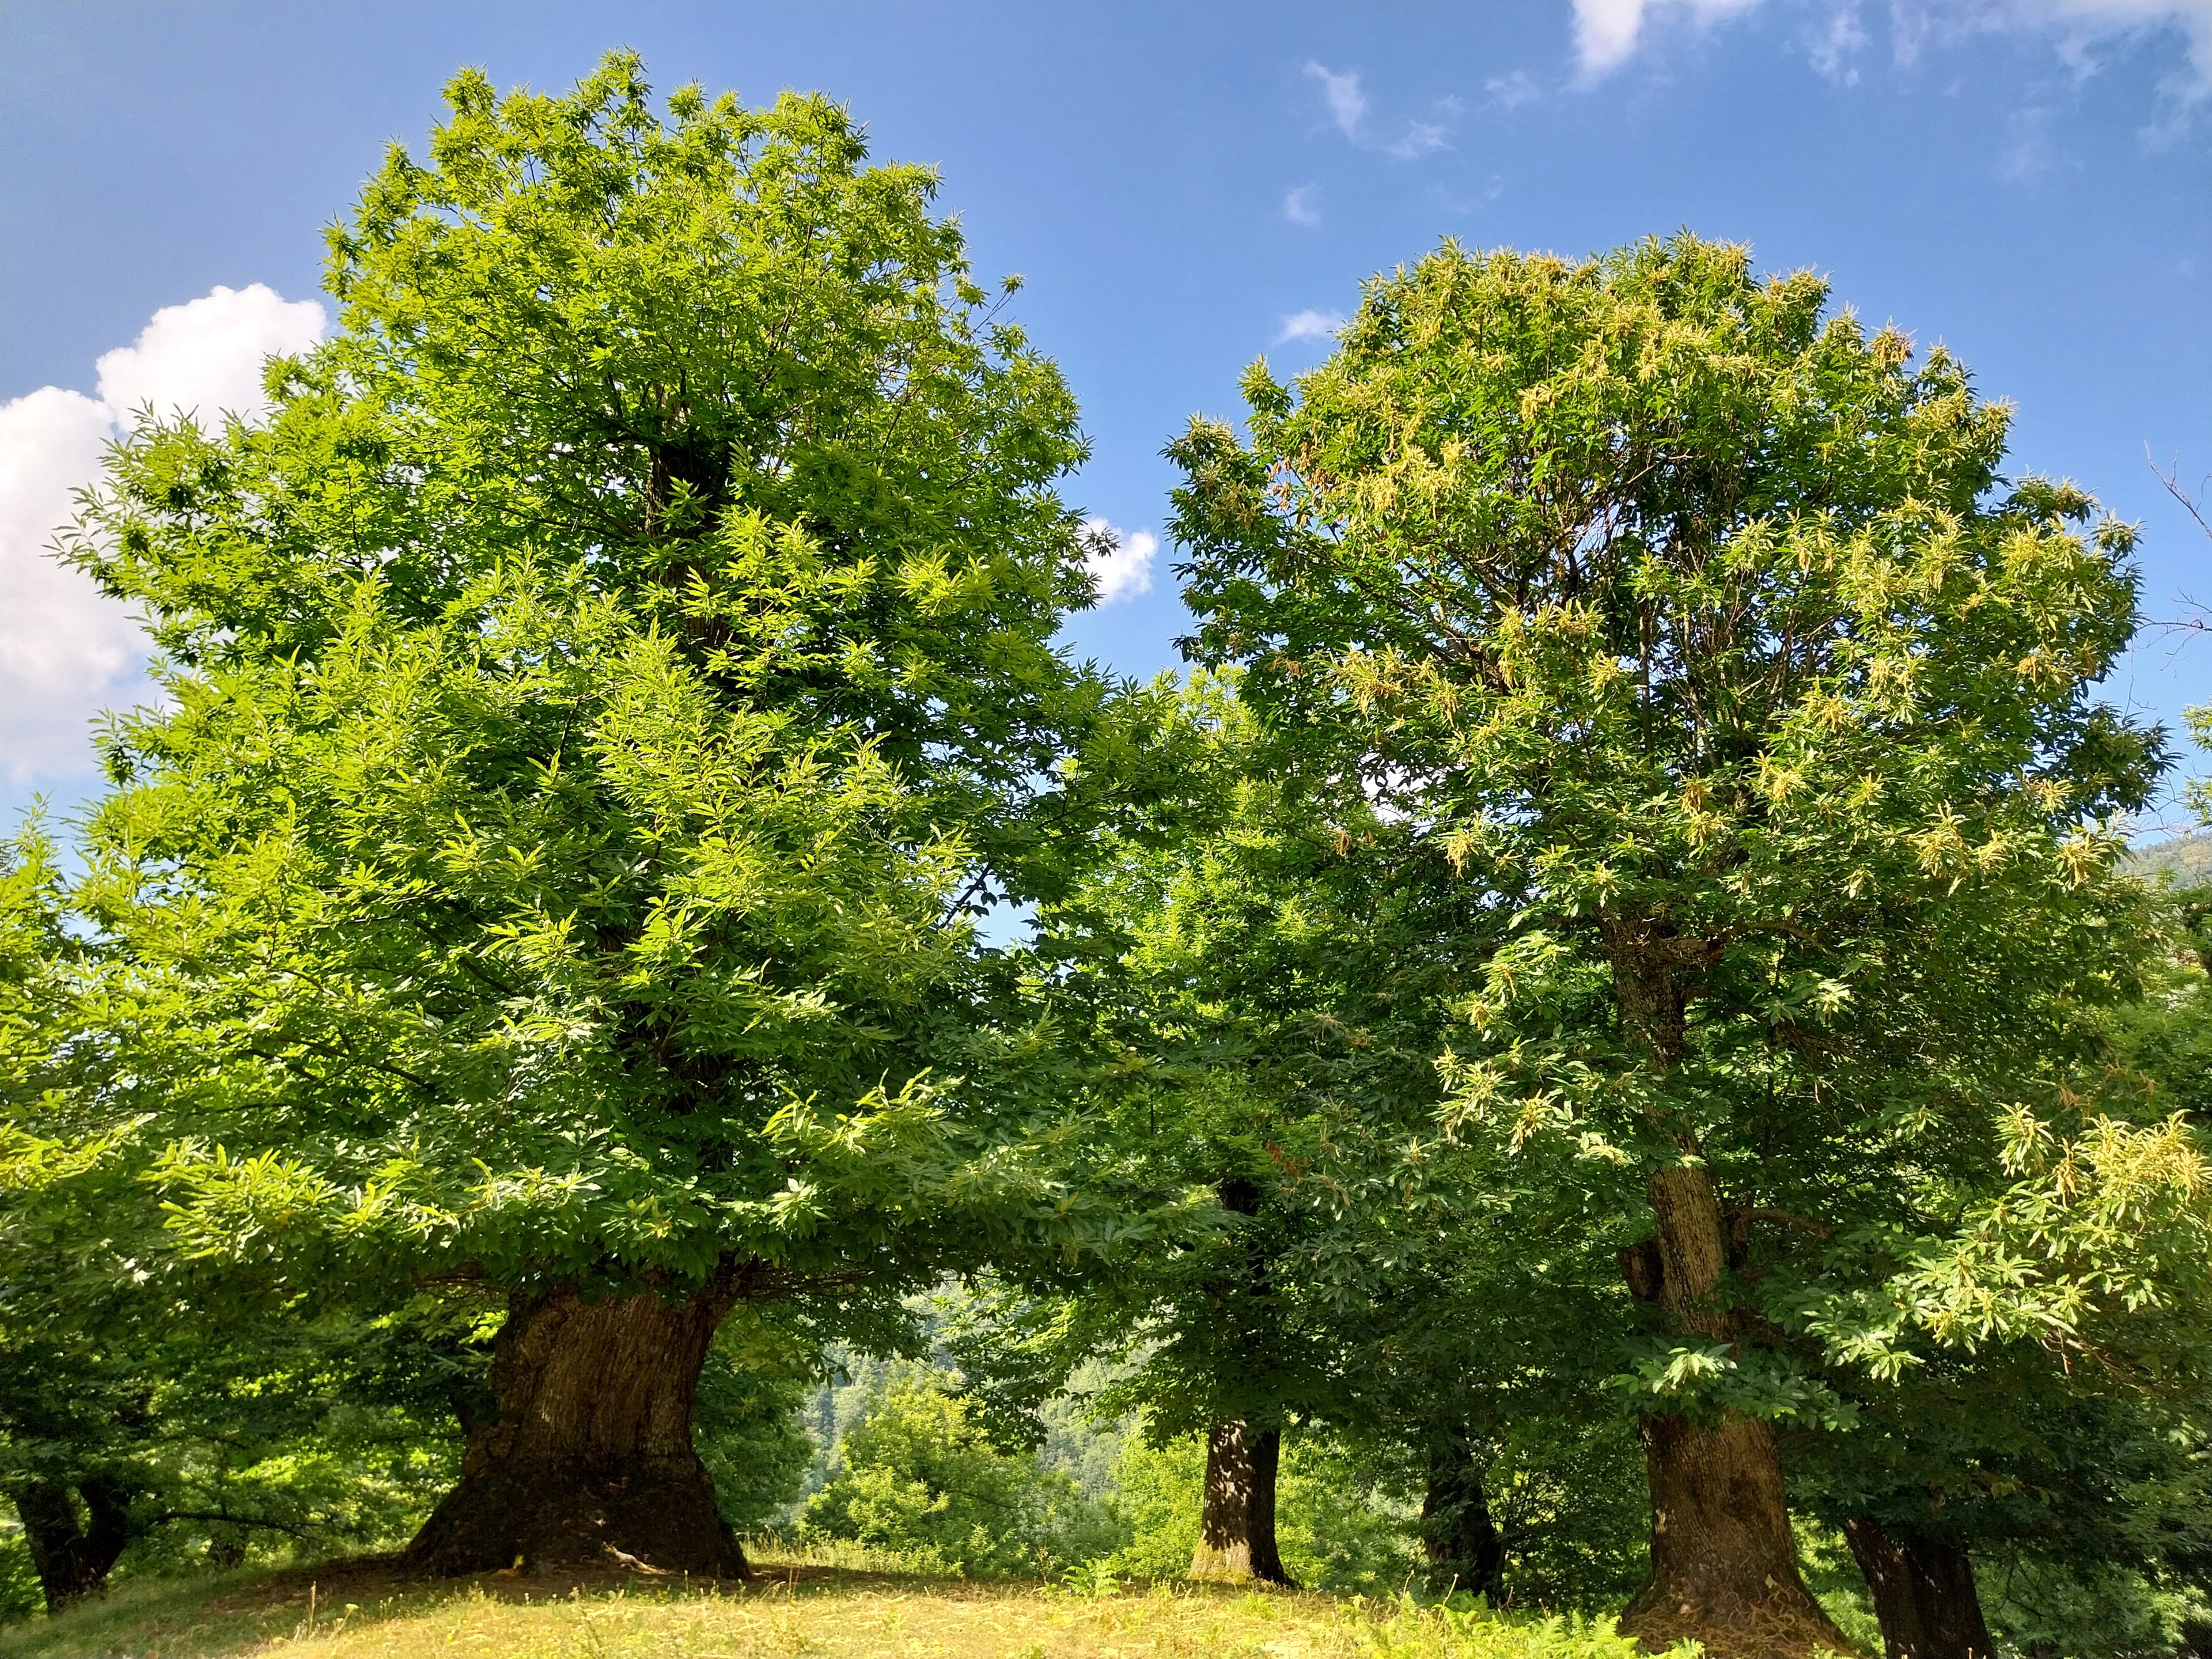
796, 1607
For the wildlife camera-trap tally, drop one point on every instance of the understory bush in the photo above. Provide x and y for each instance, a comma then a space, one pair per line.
750, 1437
1337, 1526
19, 1585
919, 1475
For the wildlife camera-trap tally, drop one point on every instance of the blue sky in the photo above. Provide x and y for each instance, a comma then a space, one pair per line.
1184, 187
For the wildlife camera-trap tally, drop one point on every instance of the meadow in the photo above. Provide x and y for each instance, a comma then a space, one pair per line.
831, 1603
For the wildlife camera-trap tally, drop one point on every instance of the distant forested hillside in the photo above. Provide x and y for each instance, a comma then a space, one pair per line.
2187, 857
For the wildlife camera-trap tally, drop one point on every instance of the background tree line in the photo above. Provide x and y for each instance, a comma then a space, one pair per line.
1598, 1046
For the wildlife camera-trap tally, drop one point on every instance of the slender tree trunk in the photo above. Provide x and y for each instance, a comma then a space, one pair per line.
72, 1554
1237, 1520
1723, 1560
1924, 1593
590, 1458
1456, 1531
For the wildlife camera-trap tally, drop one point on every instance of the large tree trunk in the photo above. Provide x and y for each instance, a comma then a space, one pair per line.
1456, 1531
1723, 1564
72, 1554
1236, 1519
590, 1458
1924, 1591
1723, 1561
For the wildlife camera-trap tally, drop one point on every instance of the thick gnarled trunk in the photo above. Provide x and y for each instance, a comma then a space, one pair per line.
1236, 1518
72, 1554
1724, 1563
1457, 1532
1924, 1591
590, 1458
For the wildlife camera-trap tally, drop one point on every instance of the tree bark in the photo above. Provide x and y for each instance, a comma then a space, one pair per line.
1723, 1560
589, 1458
1924, 1591
1724, 1563
1236, 1520
1457, 1532
71, 1553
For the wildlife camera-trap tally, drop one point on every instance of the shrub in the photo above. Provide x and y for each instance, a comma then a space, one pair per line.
1338, 1527
919, 1476
19, 1585
750, 1436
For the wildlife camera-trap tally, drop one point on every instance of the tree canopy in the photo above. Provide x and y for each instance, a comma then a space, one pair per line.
601, 700
1699, 627
1620, 945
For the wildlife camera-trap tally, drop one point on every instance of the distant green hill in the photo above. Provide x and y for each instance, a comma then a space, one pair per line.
2188, 857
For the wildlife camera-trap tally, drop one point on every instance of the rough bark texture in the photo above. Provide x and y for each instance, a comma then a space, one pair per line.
1456, 1531
1237, 1523
71, 1553
1723, 1564
590, 1458
1723, 1561
1924, 1593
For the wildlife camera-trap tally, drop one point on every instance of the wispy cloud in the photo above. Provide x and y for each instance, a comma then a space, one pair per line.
1833, 45
1347, 104
1608, 32
1455, 201
1422, 137
1507, 92
2029, 152
1303, 206
1309, 325
1118, 561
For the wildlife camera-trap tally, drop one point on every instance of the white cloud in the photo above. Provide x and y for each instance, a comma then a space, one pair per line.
1303, 206
66, 651
2082, 27
207, 355
1347, 104
1347, 108
1119, 562
1831, 48
1311, 325
1608, 32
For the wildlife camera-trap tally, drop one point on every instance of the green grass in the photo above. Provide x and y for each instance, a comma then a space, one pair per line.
816, 1605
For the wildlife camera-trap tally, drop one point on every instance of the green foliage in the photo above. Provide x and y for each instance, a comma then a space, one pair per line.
218, 1429
1641, 728
1566, 1494
1696, 626
600, 701
1340, 1525
2182, 861
2107, 1611
19, 1597
1460, 1632
919, 1475
1343, 1525
1157, 1487
750, 1436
